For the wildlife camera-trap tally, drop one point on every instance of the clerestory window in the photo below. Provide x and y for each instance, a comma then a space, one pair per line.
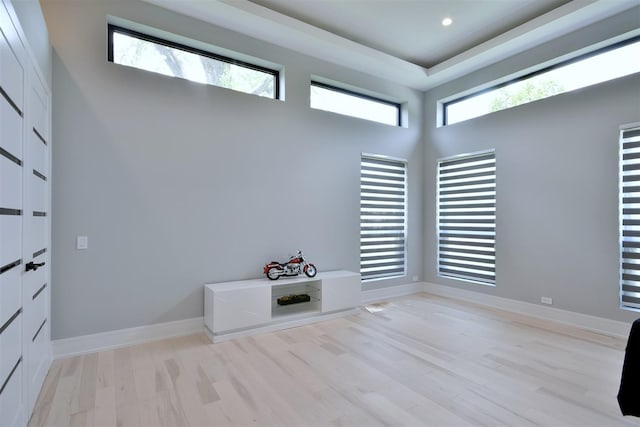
611, 62
349, 103
150, 53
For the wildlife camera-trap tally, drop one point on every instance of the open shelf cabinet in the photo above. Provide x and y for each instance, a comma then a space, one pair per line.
251, 306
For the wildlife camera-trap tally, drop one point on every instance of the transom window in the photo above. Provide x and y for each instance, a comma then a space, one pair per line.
342, 101
149, 53
618, 60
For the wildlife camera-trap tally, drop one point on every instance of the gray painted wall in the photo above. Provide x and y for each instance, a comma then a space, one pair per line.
177, 184
173, 181
557, 188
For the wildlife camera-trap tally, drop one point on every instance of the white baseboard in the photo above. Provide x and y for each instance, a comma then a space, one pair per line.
123, 337
381, 294
584, 321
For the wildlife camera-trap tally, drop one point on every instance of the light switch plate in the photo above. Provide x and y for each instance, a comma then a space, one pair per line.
82, 242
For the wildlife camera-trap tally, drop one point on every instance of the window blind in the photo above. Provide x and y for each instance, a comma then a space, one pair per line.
467, 217
382, 218
630, 218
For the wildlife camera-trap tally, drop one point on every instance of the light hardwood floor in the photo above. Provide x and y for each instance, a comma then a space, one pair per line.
421, 360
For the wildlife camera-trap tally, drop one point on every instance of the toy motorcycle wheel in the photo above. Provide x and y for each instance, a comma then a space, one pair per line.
273, 273
310, 271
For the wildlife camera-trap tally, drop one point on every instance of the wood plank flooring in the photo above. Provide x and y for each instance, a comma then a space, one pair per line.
419, 361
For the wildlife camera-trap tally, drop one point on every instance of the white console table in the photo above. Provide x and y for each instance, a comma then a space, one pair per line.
247, 307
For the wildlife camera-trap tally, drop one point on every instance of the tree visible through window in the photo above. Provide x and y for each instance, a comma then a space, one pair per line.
160, 56
523, 92
596, 67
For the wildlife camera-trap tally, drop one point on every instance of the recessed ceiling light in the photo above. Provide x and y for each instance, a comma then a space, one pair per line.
447, 21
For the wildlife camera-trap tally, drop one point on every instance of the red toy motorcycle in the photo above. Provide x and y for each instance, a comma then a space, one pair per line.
293, 267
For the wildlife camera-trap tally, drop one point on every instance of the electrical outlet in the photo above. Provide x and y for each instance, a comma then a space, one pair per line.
546, 300
415, 278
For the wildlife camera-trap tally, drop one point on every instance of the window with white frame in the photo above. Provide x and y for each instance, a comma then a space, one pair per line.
150, 53
383, 201
467, 217
630, 217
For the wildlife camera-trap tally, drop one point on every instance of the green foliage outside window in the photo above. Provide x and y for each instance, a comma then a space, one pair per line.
170, 61
530, 90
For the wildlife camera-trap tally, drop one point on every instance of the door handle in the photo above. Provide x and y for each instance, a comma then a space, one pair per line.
33, 266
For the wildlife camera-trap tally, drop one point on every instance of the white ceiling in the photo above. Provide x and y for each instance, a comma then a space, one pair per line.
412, 29
403, 40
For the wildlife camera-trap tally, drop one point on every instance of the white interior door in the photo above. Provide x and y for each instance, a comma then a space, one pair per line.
36, 239
12, 76
25, 134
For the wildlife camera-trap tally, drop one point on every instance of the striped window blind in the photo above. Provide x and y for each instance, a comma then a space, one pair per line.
382, 217
467, 217
630, 218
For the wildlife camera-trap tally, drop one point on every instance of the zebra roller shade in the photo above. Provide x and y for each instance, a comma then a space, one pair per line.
467, 217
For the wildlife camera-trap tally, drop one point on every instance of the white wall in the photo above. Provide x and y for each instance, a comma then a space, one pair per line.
557, 188
177, 184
